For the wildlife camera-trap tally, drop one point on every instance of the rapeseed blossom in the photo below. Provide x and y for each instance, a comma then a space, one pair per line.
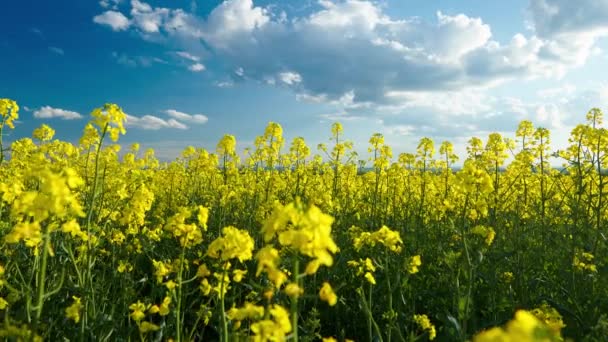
425, 324
233, 244
384, 236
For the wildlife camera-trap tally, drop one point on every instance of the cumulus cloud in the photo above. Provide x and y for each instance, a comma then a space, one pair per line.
354, 46
233, 20
290, 77
557, 17
151, 122
196, 67
433, 75
193, 118
48, 112
571, 29
116, 20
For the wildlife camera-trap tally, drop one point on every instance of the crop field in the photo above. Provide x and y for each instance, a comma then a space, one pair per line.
290, 242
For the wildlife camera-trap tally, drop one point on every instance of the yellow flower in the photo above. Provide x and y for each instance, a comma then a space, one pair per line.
163, 309
425, 324
233, 244
170, 285
44, 133
202, 216
9, 112
237, 275
124, 266
385, 236
203, 271
3, 303
73, 228
307, 230
524, 327
293, 290
268, 258
73, 311
161, 270
137, 311
370, 278
275, 329
146, 327
550, 316
414, 263
327, 294
248, 311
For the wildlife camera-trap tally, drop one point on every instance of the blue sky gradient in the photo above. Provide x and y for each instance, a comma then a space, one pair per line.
187, 72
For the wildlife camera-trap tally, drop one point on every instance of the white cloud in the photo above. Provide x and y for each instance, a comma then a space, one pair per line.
151, 122
193, 118
548, 115
110, 3
232, 21
136, 61
561, 91
196, 67
401, 130
116, 20
224, 84
341, 116
571, 28
463, 102
352, 53
47, 112
147, 19
290, 77
557, 17
188, 56
56, 50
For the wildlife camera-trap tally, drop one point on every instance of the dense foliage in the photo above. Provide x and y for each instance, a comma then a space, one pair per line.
285, 245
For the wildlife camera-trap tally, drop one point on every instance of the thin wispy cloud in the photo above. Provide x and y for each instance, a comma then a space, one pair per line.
56, 50
188, 56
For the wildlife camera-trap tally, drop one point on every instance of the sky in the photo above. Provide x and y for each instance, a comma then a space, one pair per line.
188, 71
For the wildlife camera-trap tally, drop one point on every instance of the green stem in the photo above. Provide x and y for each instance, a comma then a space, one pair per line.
42, 278
178, 310
294, 300
223, 306
1, 145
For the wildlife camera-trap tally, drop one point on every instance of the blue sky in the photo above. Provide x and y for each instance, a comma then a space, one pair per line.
188, 71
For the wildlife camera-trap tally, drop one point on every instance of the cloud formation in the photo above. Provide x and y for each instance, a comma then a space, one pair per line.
196, 67
151, 122
115, 20
176, 120
48, 112
136, 61
353, 46
193, 118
